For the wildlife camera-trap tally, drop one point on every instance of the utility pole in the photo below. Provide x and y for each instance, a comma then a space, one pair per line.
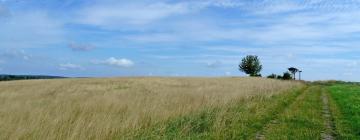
300, 74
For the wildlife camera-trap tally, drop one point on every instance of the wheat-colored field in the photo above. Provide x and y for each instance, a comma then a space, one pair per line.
115, 107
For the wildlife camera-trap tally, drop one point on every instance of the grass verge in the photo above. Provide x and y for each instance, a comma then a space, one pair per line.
345, 106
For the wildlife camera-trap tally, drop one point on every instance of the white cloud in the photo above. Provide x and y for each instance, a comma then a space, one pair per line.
210, 30
116, 14
290, 51
150, 21
112, 61
311, 25
70, 66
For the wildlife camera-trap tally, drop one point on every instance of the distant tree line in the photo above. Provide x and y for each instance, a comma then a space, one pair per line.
26, 77
251, 65
284, 76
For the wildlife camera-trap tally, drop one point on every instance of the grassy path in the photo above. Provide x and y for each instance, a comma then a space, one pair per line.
260, 135
329, 133
303, 119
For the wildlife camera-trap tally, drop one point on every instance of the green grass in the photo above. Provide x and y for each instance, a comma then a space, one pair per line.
302, 120
238, 120
345, 105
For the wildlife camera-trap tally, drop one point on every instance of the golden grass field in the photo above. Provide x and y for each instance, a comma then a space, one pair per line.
111, 108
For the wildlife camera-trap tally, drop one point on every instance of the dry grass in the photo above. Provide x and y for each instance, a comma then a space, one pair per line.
102, 108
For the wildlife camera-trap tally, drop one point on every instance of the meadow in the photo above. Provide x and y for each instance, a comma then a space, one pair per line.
176, 108
133, 107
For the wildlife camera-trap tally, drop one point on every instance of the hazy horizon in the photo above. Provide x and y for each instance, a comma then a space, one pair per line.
194, 38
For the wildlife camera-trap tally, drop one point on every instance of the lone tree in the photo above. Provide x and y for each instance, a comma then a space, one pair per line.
250, 65
293, 71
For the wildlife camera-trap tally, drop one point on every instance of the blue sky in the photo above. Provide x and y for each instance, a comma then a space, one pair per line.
102, 38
